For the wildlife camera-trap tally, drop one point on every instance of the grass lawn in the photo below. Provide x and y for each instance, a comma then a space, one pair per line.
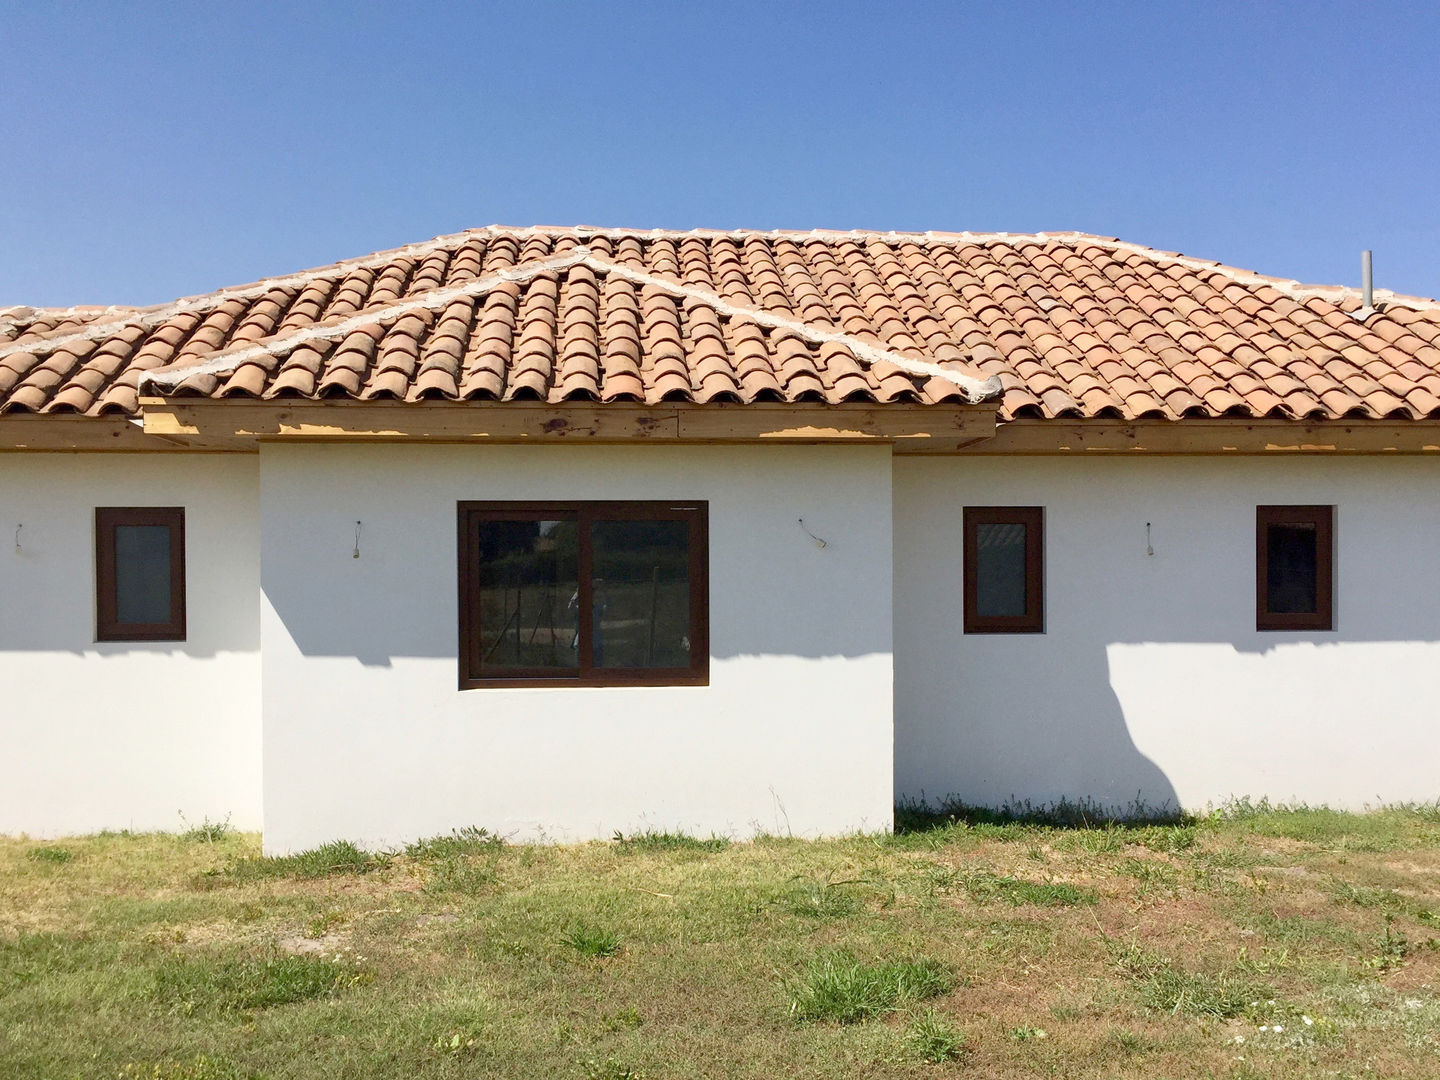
1261, 943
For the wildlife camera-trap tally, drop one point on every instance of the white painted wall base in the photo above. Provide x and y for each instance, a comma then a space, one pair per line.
131, 735
1151, 679
367, 737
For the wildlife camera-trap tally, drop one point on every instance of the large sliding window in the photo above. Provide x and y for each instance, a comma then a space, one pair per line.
583, 594
140, 573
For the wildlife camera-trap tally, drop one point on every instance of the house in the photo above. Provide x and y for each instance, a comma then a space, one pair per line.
569, 531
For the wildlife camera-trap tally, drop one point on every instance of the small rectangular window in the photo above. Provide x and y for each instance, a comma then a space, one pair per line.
1004, 553
583, 594
140, 573
1294, 560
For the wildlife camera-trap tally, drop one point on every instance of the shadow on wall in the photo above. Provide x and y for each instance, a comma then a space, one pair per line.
990, 732
773, 590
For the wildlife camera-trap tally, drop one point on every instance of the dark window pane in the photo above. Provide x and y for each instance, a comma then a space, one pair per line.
142, 573
529, 594
1000, 569
642, 593
1291, 568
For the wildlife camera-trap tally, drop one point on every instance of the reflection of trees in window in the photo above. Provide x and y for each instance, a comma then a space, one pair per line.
578, 590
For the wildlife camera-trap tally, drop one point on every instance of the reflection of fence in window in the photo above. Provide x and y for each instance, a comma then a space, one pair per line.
536, 625
642, 593
642, 624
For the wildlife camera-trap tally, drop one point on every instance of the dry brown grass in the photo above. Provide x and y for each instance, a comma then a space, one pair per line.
1049, 952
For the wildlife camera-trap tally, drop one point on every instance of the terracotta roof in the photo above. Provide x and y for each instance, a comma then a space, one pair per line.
1059, 325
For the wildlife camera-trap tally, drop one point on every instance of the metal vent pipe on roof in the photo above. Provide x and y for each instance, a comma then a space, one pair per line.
1367, 281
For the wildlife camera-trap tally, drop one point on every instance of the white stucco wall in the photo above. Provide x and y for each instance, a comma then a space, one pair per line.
127, 734
368, 738
1151, 677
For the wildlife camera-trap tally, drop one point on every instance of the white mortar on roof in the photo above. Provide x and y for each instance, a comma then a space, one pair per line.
154, 315
227, 360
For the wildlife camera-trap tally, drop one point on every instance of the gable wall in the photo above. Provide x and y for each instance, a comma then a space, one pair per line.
368, 738
1151, 678
127, 734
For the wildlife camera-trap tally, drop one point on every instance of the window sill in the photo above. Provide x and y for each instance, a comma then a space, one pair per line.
637, 680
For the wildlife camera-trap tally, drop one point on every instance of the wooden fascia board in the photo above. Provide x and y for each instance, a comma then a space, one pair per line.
936, 428
1216, 437
90, 434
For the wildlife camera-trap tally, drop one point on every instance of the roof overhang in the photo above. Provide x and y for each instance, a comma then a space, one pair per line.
909, 428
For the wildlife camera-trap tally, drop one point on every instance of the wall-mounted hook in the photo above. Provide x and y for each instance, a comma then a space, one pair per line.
356, 553
818, 542
1149, 548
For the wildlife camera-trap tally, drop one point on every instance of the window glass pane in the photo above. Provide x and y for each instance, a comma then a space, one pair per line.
1000, 569
642, 593
529, 594
142, 573
1290, 568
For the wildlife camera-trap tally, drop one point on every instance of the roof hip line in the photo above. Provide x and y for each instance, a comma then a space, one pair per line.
227, 361
150, 317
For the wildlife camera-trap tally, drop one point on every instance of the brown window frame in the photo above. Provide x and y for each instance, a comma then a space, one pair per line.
108, 627
1033, 518
1323, 518
586, 512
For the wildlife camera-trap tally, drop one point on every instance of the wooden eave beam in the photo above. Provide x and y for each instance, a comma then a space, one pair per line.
910, 428
90, 434
1217, 437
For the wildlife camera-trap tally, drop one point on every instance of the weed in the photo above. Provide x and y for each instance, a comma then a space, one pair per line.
1166, 988
323, 923
57, 856
836, 986
624, 1020
609, 1069
668, 841
984, 885
931, 1039
592, 941
459, 843
1128, 1042
207, 832
327, 860
459, 876
188, 985
201, 1067
1027, 1034
822, 900
1391, 948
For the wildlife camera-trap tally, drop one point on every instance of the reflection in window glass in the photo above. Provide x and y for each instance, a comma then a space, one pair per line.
642, 593
1000, 569
529, 594
1291, 568
142, 573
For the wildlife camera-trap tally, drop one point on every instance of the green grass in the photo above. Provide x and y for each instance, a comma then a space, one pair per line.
835, 986
187, 984
930, 1038
1163, 986
56, 856
668, 841
591, 941
338, 857
984, 885
1141, 948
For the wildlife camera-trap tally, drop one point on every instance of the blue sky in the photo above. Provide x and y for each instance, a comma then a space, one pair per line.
152, 151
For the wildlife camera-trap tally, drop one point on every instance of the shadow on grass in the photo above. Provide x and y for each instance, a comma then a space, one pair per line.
923, 817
